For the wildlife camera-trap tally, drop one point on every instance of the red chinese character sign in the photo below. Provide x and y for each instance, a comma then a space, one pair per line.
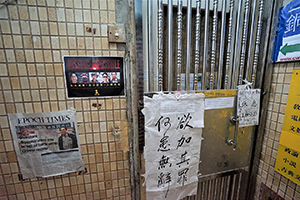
91, 76
288, 159
172, 145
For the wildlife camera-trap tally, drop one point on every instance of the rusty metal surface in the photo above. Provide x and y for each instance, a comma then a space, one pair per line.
216, 155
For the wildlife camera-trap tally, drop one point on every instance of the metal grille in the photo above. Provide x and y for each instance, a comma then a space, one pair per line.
218, 40
205, 45
225, 186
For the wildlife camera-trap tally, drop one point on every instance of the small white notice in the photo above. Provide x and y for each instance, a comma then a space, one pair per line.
219, 103
248, 107
169, 107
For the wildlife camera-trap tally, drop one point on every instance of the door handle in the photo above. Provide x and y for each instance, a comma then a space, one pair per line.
233, 142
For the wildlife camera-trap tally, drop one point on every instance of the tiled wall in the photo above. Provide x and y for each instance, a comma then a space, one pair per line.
35, 34
287, 189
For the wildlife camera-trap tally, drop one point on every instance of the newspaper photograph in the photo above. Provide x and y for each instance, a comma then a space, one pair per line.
46, 144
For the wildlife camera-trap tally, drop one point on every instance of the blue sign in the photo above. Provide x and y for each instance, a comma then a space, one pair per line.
287, 42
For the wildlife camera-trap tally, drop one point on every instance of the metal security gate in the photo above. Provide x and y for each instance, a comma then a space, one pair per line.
207, 46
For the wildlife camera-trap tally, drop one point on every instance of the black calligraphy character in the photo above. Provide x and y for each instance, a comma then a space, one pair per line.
294, 117
243, 104
168, 181
298, 130
283, 169
184, 121
254, 104
165, 121
297, 177
285, 160
291, 173
295, 153
168, 177
163, 162
182, 140
292, 128
182, 176
183, 159
288, 150
163, 146
163, 179
293, 164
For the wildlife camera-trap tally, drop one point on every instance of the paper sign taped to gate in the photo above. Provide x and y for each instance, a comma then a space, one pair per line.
173, 137
248, 107
219, 103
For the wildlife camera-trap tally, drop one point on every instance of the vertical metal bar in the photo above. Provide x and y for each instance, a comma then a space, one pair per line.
188, 45
206, 189
170, 46
213, 182
219, 187
160, 45
203, 190
229, 41
197, 48
222, 42
237, 186
257, 42
226, 188
216, 187
214, 44
269, 39
198, 190
244, 41
222, 185
209, 189
244, 184
179, 43
150, 46
237, 43
231, 187
205, 52
251, 41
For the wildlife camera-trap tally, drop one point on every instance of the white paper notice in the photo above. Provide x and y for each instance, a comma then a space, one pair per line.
248, 107
219, 103
171, 107
46, 144
173, 134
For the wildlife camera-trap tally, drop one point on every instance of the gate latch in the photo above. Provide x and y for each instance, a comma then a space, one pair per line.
233, 142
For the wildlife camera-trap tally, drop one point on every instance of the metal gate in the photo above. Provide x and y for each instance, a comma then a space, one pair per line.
207, 46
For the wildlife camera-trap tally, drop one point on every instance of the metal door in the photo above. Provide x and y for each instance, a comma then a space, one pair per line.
207, 46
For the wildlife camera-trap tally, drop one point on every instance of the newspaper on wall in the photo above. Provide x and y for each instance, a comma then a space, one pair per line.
172, 144
46, 144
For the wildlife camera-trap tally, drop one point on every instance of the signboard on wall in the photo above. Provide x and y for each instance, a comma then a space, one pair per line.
91, 76
46, 144
172, 145
288, 158
287, 43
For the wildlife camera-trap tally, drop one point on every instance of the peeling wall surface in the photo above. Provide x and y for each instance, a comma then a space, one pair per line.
35, 34
281, 78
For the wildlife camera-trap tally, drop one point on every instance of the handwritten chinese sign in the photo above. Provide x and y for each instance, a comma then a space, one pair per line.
172, 145
248, 107
288, 159
287, 45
